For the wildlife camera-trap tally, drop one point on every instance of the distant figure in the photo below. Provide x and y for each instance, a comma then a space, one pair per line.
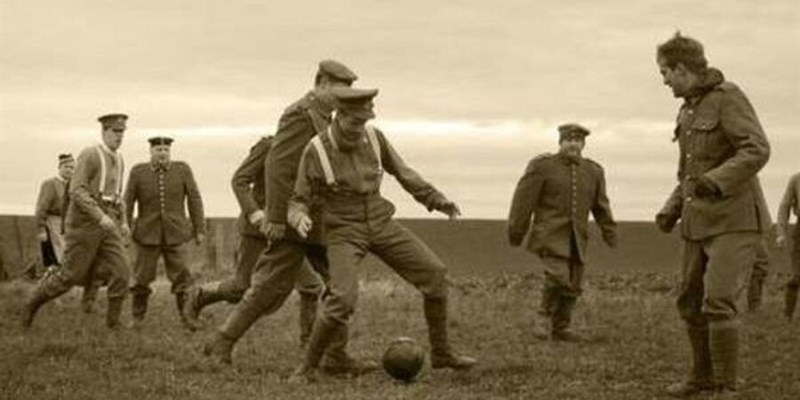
791, 203
721, 207
49, 213
341, 173
161, 190
96, 227
559, 191
248, 186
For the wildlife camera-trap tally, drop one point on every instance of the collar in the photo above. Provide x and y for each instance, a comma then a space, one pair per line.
567, 159
156, 166
710, 80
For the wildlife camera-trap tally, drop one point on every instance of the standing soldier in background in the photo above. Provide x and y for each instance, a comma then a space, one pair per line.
721, 207
791, 203
96, 226
50, 213
277, 269
161, 188
248, 186
559, 191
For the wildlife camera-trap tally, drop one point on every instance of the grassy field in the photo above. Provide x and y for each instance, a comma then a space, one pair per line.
635, 346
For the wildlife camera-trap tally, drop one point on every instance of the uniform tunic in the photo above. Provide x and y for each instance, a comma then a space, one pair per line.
49, 213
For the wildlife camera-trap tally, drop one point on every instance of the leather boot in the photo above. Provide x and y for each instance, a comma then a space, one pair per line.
724, 346
791, 300
198, 297
220, 348
323, 332
337, 361
562, 319
139, 308
114, 311
38, 298
308, 313
442, 355
547, 308
89, 297
701, 378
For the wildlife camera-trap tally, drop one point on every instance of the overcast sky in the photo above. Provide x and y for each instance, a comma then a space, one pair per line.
469, 90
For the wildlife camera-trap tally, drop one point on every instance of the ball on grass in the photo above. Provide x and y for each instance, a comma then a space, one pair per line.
403, 359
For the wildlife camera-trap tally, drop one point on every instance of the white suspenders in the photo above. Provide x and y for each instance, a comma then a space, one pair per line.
104, 172
325, 161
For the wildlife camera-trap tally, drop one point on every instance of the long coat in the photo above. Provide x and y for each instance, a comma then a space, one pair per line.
560, 193
161, 196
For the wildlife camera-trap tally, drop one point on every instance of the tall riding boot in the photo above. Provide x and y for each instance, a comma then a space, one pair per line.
139, 307
89, 297
791, 300
547, 308
337, 361
308, 313
724, 346
114, 311
442, 355
562, 319
323, 332
701, 378
38, 298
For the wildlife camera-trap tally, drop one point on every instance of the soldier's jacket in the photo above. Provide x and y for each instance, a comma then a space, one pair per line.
789, 203
50, 201
560, 193
161, 196
355, 195
248, 185
300, 122
719, 137
95, 188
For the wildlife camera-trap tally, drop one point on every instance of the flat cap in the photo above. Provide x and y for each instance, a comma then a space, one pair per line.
65, 158
355, 102
572, 131
160, 140
337, 70
113, 121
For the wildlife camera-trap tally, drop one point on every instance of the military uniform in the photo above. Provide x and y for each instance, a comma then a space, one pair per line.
723, 215
791, 204
248, 186
95, 194
161, 192
559, 192
49, 219
344, 184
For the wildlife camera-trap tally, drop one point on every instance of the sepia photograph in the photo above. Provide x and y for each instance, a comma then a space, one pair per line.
359, 200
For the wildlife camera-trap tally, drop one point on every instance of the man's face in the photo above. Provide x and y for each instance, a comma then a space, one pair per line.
326, 84
572, 146
160, 153
112, 137
351, 130
66, 169
676, 78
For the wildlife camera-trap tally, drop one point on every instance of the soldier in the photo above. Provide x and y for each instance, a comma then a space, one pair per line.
248, 186
162, 188
278, 267
720, 204
559, 191
49, 213
791, 203
96, 226
341, 173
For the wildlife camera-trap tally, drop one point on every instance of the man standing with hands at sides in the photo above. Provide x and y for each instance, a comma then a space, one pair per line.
248, 186
720, 204
96, 226
559, 191
277, 269
341, 173
50, 213
791, 204
161, 189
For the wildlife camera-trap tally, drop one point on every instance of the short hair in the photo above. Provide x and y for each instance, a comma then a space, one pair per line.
684, 50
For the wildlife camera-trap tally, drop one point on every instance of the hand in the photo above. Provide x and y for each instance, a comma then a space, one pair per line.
449, 208
780, 240
107, 223
705, 187
665, 222
256, 217
273, 231
42, 235
302, 224
199, 239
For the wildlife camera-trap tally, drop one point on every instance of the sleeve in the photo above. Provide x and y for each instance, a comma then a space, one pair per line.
306, 186
245, 176
741, 127
422, 191
788, 202
673, 207
43, 202
601, 210
282, 161
80, 191
129, 198
526, 195
194, 200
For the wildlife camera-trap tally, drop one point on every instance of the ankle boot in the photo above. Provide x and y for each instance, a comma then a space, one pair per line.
442, 355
